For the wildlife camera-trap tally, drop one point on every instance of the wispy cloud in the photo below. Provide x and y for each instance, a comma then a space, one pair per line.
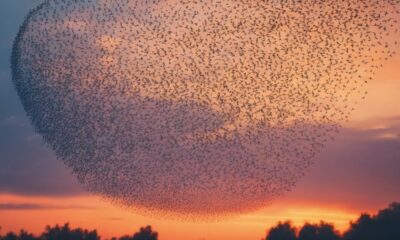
35, 206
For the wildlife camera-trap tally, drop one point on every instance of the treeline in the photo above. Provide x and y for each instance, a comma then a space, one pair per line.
385, 225
67, 233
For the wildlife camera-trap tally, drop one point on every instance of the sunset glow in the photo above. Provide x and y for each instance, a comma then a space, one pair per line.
357, 170
92, 212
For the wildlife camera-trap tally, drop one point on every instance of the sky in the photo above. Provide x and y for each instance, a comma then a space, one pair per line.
358, 172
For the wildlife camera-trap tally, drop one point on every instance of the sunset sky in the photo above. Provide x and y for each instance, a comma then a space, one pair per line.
357, 172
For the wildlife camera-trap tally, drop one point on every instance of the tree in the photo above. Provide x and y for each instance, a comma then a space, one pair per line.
23, 235
321, 231
385, 225
65, 233
282, 231
9, 236
144, 234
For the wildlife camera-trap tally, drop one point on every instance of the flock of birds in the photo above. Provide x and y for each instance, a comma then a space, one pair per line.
198, 108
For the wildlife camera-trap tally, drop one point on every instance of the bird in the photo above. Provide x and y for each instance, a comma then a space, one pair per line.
191, 107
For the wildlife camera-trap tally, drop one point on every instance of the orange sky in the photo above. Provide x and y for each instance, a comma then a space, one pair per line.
317, 196
91, 212
94, 213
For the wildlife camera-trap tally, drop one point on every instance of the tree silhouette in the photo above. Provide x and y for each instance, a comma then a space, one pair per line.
23, 235
282, 231
321, 231
66, 233
144, 234
10, 236
385, 225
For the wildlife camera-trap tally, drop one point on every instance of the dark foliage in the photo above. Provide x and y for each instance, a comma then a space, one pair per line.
66, 233
385, 225
144, 234
282, 231
23, 235
322, 231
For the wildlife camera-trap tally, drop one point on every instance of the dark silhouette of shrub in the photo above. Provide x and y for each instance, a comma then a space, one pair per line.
383, 226
23, 235
282, 231
66, 233
144, 234
10, 236
321, 231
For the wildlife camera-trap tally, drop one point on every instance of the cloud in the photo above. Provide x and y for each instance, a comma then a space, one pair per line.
3, 76
19, 206
28, 166
52, 180
13, 121
359, 169
35, 206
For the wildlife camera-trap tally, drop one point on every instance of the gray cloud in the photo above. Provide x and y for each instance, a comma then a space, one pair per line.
34, 206
359, 169
28, 166
359, 166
